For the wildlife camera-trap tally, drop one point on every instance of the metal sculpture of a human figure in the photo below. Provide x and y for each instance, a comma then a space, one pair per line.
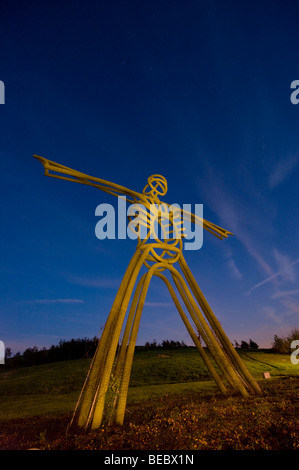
112, 361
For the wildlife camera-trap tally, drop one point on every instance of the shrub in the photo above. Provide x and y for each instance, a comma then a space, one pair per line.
282, 345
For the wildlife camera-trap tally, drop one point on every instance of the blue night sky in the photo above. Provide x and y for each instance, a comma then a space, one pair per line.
198, 91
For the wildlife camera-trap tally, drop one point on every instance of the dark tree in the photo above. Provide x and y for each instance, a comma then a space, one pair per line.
253, 345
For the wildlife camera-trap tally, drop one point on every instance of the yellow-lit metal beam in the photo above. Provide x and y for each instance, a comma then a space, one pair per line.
113, 357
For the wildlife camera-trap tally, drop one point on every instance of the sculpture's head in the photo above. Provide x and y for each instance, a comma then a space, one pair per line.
156, 185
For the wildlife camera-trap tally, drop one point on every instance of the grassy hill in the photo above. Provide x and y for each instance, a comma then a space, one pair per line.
54, 388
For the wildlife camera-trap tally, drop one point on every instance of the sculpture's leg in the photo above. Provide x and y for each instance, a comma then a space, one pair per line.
113, 343
212, 343
98, 366
127, 367
123, 348
193, 335
121, 356
205, 333
215, 324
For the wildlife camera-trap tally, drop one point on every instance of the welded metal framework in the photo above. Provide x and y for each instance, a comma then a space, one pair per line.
111, 366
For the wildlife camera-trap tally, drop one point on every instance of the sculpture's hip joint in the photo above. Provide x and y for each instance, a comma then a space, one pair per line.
159, 252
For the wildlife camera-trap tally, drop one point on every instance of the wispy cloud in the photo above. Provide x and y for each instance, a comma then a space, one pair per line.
272, 315
287, 304
53, 301
285, 270
93, 282
282, 170
235, 215
287, 308
291, 308
234, 270
285, 293
285, 266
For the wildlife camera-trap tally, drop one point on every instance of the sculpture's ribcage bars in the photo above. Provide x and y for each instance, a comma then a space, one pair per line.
161, 226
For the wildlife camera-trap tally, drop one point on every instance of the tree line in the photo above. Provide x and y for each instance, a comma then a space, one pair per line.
165, 344
64, 351
244, 345
83, 347
80, 348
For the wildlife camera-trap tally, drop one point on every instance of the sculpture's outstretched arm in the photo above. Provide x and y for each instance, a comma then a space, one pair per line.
219, 232
56, 170
63, 172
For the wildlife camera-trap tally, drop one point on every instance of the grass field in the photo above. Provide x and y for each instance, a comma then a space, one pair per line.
172, 404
